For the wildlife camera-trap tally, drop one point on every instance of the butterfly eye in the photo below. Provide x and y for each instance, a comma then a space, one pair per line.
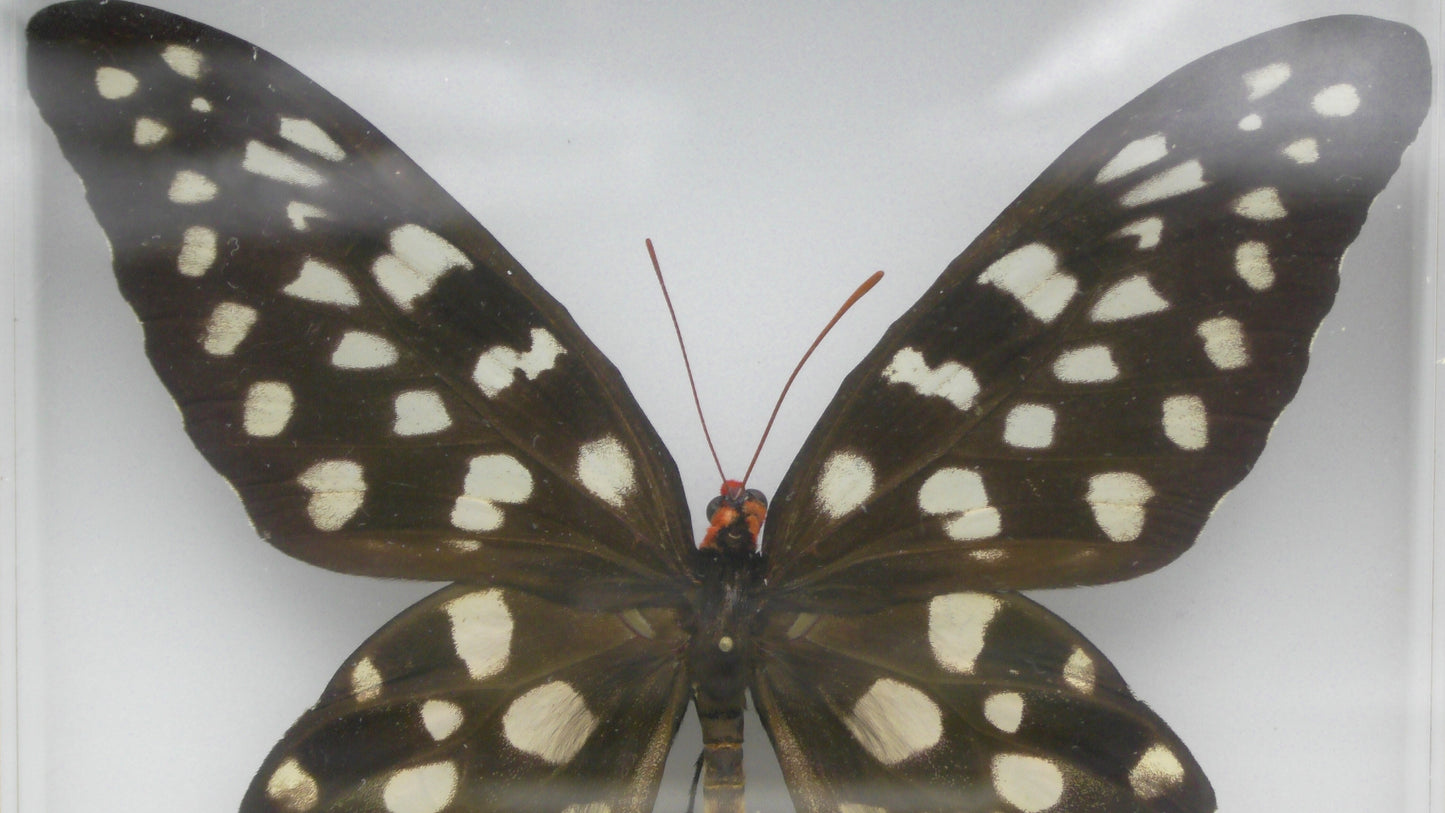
712, 507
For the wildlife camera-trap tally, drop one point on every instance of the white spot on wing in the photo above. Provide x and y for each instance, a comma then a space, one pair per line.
305, 134
1260, 204
1336, 101
551, 721
292, 788
1135, 155
893, 721
496, 369
269, 162
366, 681
1156, 772
114, 83
949, 380
227, 328
1029, 426
441, 718
200, 105
1086, 365
1127, 299
1263, 81
190, 187
1251, 123
959, 494
417, 261
1224, 342
198, 251
1117, 500
267, 409
1005, 710
1031, 275
1303, 151
149, 132
1172, 182
184, 60
1079, 671
1185, 422
481, 632
337, 490
491, 479
606, 470
359, 350
420, 412
846, 482
801, 625
1148, 230
1031, 784
421, 789
637, 622
319, 282
298, 213
1251, 262
957, 624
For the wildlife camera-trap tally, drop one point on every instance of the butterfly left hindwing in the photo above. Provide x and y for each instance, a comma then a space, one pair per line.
488, 700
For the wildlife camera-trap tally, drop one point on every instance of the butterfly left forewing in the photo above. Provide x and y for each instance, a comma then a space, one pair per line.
1080, 387
485, 699
964, 702
389, 392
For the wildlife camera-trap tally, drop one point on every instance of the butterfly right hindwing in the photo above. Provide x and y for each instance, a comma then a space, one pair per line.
967, 702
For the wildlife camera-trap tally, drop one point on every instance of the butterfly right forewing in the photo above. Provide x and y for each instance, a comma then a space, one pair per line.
1079, 388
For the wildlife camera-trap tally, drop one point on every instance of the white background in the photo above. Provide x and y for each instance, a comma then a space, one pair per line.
776, 157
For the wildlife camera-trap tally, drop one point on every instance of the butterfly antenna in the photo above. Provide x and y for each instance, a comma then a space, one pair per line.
676, 328
848, 303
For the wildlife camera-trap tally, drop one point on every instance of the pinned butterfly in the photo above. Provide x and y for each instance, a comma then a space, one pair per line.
391, 394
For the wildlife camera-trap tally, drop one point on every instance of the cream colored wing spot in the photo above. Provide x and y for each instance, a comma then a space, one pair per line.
1031, 275
492, 481
894, 721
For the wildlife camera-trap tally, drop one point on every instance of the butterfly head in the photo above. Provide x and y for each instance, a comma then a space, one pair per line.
735, 518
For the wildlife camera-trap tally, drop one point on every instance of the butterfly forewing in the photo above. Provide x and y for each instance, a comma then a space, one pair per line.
967, 702
384, 385
485, 699
1086, 380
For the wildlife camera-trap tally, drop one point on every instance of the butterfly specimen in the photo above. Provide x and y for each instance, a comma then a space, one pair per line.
391, 394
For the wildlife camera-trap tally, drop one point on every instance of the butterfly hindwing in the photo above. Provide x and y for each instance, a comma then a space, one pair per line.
485, 699
1082, 385
387, 389
967, 702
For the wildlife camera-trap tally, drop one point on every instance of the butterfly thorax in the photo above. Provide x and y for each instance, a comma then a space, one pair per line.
730, 571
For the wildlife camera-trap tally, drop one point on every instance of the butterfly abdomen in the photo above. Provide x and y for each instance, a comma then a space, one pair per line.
718, 665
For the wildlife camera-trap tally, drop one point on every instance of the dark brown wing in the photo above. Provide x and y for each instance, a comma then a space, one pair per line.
1083, 384
966, 702
489, 700
386, 388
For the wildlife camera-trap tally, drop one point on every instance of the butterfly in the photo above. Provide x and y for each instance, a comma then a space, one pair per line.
467, 687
